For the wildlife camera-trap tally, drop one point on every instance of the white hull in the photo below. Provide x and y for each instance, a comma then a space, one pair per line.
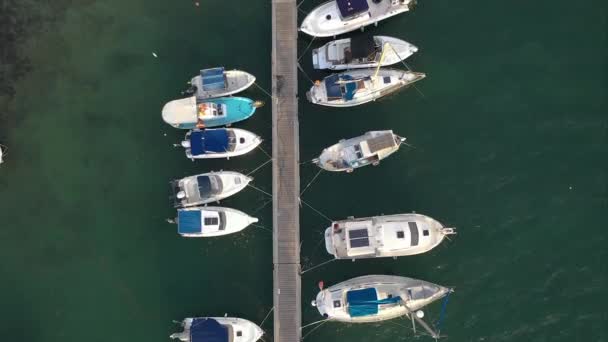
231, 183
415, 294
235, 221
248, 331
236, 81
326, 20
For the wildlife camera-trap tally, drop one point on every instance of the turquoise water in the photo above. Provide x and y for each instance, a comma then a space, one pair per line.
509, 135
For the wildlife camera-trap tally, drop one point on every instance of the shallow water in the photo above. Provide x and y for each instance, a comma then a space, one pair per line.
509, 135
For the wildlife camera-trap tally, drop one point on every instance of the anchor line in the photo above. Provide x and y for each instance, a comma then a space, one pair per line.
317, 266
315, 210
259, 167
262, 206
315, 328
313, 179
305, 74
260, 190
308, 47
267, 315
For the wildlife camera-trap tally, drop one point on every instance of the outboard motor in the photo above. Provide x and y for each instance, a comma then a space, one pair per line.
190, 91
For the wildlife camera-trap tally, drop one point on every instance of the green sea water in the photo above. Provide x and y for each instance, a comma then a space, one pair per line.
509, 136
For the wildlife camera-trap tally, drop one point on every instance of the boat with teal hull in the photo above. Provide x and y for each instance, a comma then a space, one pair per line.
190, 113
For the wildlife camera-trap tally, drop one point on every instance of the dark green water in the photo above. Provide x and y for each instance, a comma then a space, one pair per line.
510, 147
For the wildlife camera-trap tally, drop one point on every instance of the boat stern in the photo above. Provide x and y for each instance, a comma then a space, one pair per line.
329, 242
181, 113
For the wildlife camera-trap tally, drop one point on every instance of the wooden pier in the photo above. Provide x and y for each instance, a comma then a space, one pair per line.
285, 173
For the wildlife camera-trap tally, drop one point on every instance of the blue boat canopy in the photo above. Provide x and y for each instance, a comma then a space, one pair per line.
189, 222
332, 88
365, 302
207, 330
349, 88
213, 79
349, 8
204, 185
214, 141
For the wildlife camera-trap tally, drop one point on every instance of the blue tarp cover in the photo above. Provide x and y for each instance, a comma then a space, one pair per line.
207, 330
349, 88
212, 140
332, 88
213, 79
365, 302
189, 221
349, 8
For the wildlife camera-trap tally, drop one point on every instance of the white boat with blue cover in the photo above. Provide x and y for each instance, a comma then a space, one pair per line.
218, 82
211, 221
219, 143
361, 51
384, 236
218, 329
367, 149
191, 113
207, 187
375, 298
356, 87
341, 16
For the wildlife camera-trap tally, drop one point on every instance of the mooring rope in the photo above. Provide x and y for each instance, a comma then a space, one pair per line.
317, 266
264, 90
313, 179
318, 212
261, 227
407, 67
262, 206
267, 315
301, 2
305, 74
315, 328
266, 153
260, 190
308, 47
259, 167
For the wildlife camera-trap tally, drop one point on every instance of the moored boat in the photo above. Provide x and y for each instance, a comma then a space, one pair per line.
211, 221
218, 329
359, 86
191, 113
218, 82
207, 187
341, 16
367, 149
384, 236
362, 51
219, 143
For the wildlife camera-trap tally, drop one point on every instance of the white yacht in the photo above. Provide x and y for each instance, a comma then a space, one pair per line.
341, 16
211, 221
384, 236
207, 187
376, 298
218, 82
361, 51
356, 87
367, 149
219, 143
218, 329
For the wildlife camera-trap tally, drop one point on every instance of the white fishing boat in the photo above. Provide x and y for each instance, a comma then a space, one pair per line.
207, 187
218, 329
356, 87
384, 236
219, 143
1, 154
367, 149
218, 82
341, 16
361, 51
376, 298
211, 221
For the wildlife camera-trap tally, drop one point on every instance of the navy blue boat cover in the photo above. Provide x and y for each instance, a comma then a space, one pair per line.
332, 88
204, 185
212, 140
365, 302
348, 8
349, 88
213, 79
189, 221
207, 330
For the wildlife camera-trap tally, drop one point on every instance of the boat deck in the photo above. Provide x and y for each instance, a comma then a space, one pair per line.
285, 174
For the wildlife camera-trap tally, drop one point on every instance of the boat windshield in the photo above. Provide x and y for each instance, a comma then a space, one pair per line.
209, 186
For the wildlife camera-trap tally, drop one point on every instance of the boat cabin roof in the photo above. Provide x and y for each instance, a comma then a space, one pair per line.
209, 186
381, 142
350, 8
211, 110
342, 87
208, 330
199, 221
213, 79
210, 141
361, 47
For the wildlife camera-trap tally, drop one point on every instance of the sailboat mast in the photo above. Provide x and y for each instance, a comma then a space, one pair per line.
381, 60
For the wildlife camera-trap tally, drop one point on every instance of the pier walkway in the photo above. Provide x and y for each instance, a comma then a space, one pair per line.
285, 174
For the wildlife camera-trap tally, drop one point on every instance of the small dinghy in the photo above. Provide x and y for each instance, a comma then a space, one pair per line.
191, 113
219, 143
207, 187
1, 154
361, 52
211, 221
359, 86
369, 148
218, 329
376, 298
384, 236
217, 82
341, 16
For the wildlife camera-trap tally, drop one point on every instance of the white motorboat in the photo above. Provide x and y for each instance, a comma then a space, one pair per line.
376, 298
367, 149
219, 143
384, 236
218, 329
1, 154
218, 82
341, 16
207, 187
359, 86
211, 221
361, 52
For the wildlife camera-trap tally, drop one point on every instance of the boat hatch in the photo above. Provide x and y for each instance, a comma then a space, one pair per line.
351, 8
381, 142
208, 329
213, 79
386, 79
214, 220
358, 238
413, 233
